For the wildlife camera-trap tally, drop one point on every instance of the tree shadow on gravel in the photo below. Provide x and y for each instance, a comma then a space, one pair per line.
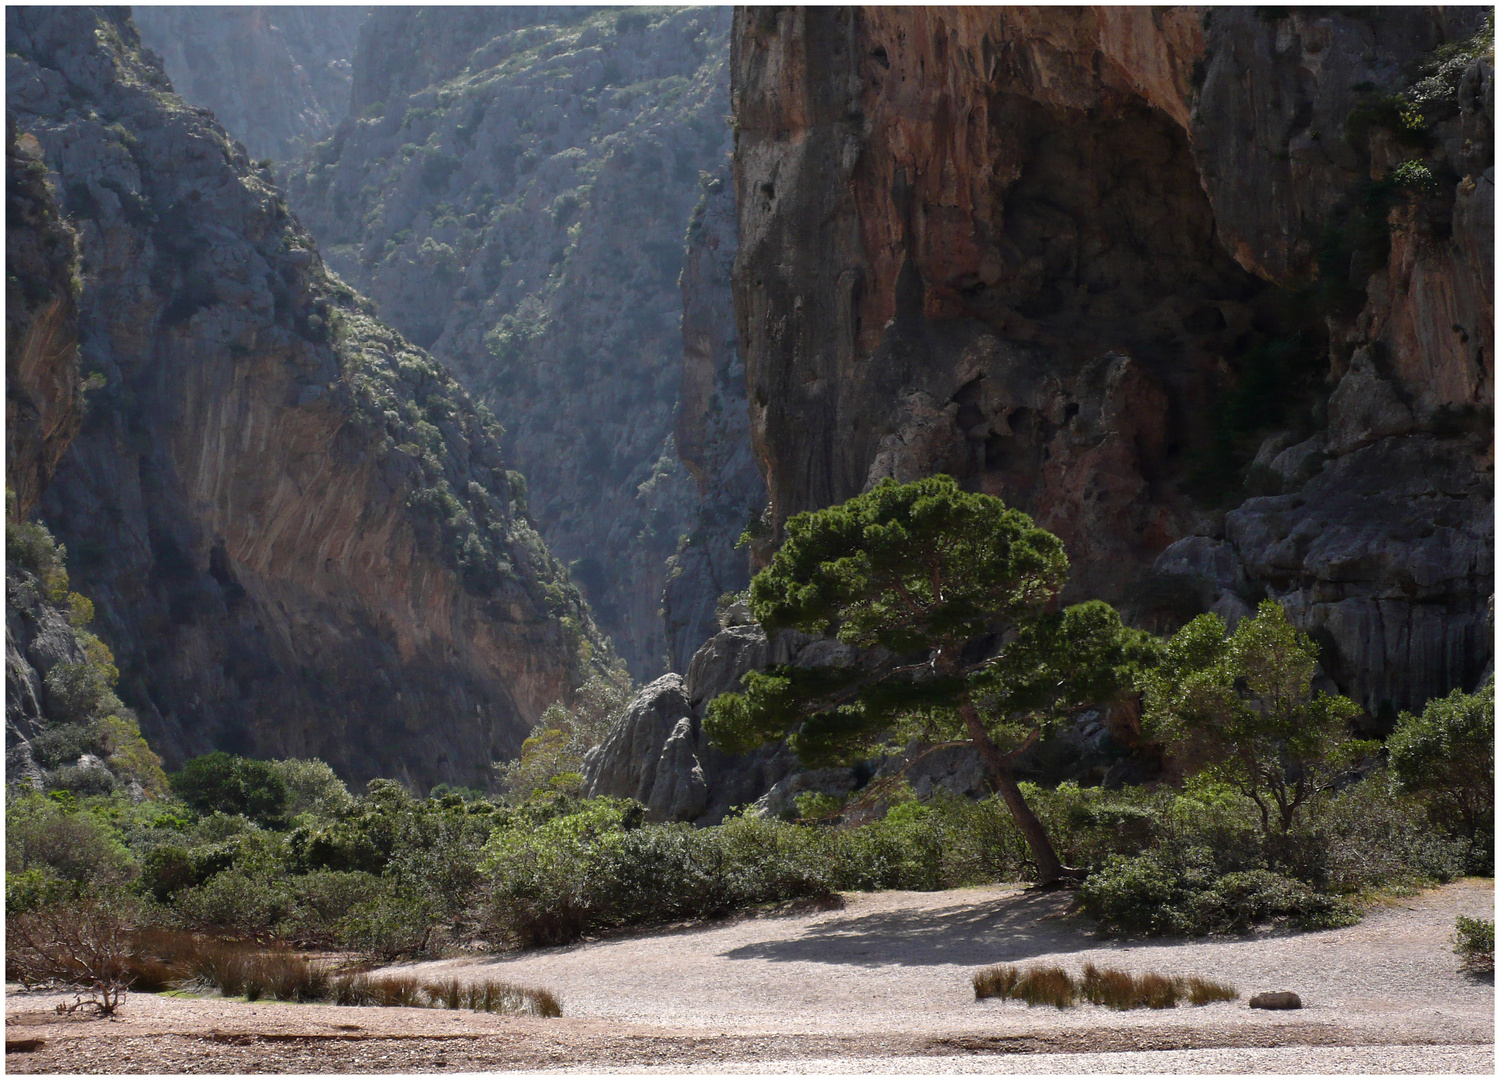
1005, 930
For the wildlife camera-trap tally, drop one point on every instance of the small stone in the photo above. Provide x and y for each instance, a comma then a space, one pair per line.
1278, 999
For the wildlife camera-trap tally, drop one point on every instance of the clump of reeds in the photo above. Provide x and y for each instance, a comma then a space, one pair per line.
237, 970
1039, 985
995, 982
1203, 991
405, 990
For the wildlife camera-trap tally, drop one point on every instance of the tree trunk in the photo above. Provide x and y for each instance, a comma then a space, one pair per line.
1049, 866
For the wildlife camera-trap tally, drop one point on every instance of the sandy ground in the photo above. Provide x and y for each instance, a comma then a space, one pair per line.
881, 985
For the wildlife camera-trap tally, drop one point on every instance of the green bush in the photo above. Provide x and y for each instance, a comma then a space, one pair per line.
392, 923
1474, 940
1446, 757
236, 903
1151, 894
312, 788
41, 834
224, 783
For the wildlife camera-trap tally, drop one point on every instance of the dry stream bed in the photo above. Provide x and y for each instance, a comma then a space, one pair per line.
881, 985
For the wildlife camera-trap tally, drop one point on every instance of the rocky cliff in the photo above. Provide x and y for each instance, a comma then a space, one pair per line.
711, 431
1125, 267
512, 187
43, 391
277, 78
298, 533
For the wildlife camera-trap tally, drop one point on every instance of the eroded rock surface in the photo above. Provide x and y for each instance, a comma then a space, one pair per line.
1082, 258
512, 187
298, 532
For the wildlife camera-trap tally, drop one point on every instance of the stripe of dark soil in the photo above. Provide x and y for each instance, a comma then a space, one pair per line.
236, 1052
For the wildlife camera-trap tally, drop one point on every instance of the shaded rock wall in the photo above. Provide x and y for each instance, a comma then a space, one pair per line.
43, 390
298, 532
712, 432
512, 187
277, 78
1051, 251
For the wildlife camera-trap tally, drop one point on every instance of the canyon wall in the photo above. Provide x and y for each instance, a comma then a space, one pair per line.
277, 78
1205, 291
512, 187
298, 533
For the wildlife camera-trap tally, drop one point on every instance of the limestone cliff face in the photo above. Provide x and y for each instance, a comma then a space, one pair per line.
711, 431
277, 78
297, 531
43, 391
512, 188
1113, 265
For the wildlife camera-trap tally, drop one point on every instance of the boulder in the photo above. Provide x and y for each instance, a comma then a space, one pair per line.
1278, 999
627, 762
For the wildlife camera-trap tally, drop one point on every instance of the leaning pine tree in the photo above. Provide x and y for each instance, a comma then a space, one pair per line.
947, 598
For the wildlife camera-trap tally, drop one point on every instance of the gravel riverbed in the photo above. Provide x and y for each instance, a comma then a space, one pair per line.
879, 985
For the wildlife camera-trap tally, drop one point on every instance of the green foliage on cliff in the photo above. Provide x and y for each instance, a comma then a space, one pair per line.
81, 713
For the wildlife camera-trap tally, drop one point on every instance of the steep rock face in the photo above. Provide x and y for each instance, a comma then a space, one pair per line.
512, 187
43, 394
277, 78
712, 432
297, 531
1065, 254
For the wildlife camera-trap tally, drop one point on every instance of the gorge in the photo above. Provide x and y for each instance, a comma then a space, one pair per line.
362, 452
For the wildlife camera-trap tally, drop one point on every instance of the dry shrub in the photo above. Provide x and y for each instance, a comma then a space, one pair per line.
1122, 990
236, 969
1159, 991
82, 946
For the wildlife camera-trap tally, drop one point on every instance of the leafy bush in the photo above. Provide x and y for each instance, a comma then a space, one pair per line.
392, 923
1474, 940
40, 834
228, 784
1446, 757
1156, 894
312, 788
235, 902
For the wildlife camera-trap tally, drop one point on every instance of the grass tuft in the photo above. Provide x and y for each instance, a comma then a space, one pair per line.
1117, 989
1204, 991
1046, 986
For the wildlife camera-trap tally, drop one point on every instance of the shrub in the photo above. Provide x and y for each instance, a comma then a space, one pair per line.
77, 847
1474, 941
238, 970
224, 783
995, 982
1204, 991
323, 903
235, 902
1157, 894
392, 991
82, 946
312, 788
1447, 757
1040, 985
391, 924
